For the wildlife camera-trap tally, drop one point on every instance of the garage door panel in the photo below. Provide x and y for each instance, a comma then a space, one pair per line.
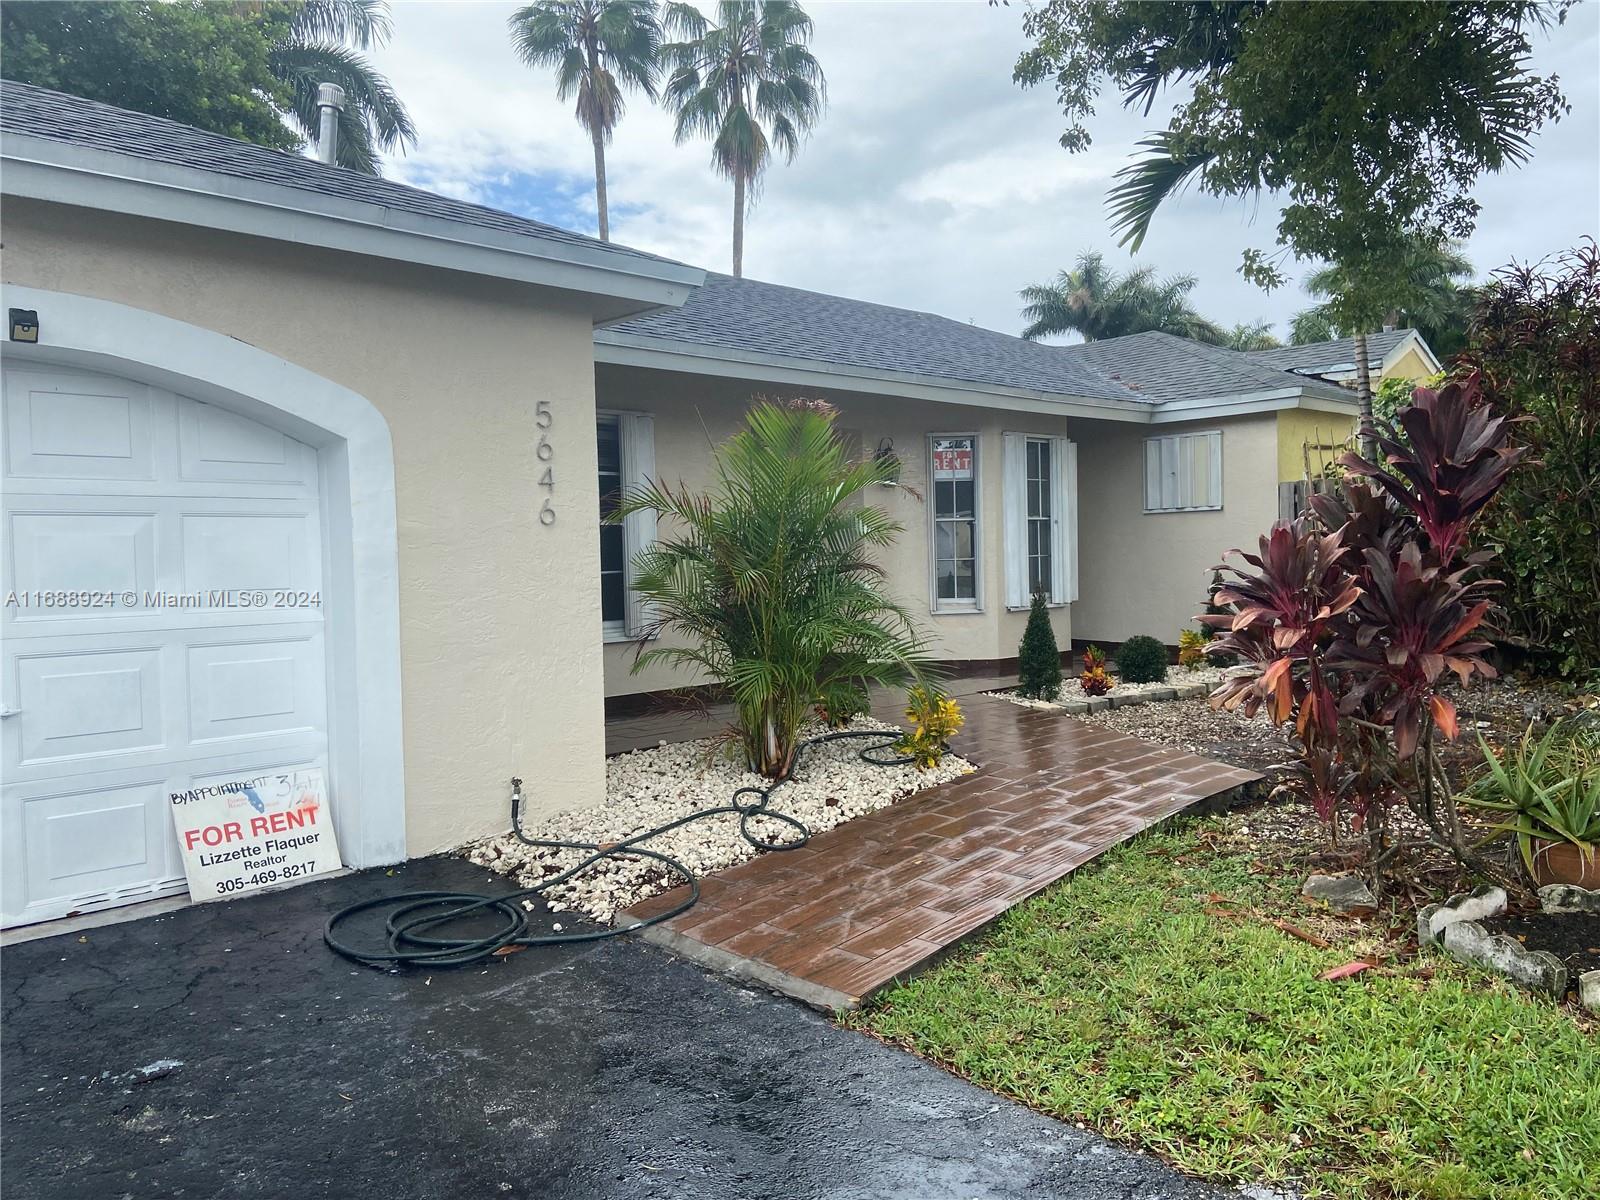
79, 551
249, 689
92, 844
249, 551
88, 705
78, 427
218, 445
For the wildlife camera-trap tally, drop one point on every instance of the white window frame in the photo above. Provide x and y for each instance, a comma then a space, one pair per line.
636, 442
1168, 472
947, 607
1063, 588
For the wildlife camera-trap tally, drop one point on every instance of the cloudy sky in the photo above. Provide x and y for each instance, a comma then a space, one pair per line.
933, 182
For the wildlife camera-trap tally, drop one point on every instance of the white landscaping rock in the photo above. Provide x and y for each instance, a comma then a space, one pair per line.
1481, 902
648, 788
1180, 685
1342, 893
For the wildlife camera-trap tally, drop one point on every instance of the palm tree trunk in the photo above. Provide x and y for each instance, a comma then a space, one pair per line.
738, 226
600, 186
1369, 433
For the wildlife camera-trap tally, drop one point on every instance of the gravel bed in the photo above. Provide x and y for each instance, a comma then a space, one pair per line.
1177, 677
647, 788
1500, 709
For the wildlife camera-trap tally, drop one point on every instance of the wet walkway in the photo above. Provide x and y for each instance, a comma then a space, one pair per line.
880, 897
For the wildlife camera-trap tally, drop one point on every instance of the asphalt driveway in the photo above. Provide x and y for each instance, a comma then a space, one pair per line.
223, 1051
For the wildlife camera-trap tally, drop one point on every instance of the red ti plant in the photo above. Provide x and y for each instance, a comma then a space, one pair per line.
1351, 617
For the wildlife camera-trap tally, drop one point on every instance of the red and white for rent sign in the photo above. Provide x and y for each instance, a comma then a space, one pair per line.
240, 835
952, 458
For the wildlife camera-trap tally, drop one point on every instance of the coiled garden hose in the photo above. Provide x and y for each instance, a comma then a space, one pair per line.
415, 932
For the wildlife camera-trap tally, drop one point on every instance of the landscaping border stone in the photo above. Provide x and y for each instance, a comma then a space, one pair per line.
1483, 901
1568, 898
1537, 970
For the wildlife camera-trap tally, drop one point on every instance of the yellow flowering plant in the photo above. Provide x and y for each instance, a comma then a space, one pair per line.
935, 719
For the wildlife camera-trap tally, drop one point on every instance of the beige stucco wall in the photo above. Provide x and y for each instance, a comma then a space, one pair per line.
1147, 572
1300, 427
693, 413
500, 656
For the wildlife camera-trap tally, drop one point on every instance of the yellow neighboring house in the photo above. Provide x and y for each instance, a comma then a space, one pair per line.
1307, 440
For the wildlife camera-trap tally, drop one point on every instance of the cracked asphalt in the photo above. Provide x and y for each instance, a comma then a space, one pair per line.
222, 1050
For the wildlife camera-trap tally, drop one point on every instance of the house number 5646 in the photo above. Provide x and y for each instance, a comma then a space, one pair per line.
545, 452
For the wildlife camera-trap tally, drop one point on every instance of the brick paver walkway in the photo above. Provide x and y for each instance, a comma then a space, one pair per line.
879, 897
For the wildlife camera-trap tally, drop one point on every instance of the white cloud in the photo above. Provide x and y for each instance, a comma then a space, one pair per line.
933, 182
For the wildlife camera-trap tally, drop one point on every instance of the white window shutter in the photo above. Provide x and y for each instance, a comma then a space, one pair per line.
638, 432
1215, 477
1064, 529
1014, 482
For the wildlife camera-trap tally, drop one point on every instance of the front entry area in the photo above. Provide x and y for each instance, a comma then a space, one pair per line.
163, 627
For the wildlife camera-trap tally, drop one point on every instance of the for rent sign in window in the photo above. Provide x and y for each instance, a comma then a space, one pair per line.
952, 458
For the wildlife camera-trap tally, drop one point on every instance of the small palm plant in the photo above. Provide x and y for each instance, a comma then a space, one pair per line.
770, 582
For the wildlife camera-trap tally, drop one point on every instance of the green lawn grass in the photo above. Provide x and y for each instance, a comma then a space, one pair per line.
1117, 1000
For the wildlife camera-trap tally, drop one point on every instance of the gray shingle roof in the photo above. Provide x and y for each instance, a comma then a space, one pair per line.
1316, 358
768, 319
752, 317
38, 112
1164, 368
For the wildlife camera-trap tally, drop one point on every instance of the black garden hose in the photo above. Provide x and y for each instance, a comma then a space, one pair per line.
413, 929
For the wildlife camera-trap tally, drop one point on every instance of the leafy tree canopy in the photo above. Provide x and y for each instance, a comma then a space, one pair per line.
246, 70
1373, 120
207, 65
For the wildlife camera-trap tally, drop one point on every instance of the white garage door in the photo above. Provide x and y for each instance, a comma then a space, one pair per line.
142, 532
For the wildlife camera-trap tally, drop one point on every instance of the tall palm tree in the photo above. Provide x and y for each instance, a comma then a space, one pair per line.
749, 84
597, 47
1096, 303
323, 45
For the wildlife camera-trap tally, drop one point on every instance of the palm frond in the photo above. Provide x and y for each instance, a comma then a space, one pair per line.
1147, 183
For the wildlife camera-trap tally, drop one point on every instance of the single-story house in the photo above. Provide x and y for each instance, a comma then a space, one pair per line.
380, 417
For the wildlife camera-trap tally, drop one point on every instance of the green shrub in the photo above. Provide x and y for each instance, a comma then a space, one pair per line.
1039, 658
1536, 340
769, 579
1142, 659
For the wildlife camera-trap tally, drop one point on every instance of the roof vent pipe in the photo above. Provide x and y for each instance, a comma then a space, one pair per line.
330, 103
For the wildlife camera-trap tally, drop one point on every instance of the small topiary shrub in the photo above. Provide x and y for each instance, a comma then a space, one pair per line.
1038, 658
1142, 659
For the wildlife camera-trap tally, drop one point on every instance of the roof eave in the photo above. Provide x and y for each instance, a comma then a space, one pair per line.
694, 358
1247, 403
626, 284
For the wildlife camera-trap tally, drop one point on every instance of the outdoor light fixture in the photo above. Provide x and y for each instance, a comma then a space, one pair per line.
24, 325
885, 454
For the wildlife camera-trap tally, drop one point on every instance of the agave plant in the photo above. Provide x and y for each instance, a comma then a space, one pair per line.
770, 584
1549, 789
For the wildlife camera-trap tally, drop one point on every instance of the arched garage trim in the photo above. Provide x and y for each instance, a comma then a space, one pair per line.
356, 460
